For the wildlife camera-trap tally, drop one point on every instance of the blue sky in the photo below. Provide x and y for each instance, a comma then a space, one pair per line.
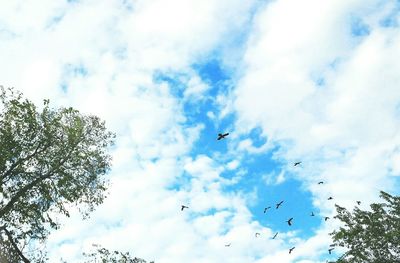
289, 84
297, 201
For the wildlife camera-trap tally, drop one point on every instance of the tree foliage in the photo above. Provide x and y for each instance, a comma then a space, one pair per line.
50, 160
103, 255
370, 236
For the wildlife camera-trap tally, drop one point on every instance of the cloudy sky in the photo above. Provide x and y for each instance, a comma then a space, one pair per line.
311, 81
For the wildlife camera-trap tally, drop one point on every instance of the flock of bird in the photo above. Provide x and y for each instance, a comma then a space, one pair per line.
290, 220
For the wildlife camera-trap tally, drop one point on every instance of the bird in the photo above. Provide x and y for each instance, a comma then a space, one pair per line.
330, 250
222, 136
290, 250
257, 234
320, 182
330, 198
312, 214
228, 245
290, 221
265, 209
326, 218
358, 202
183, 207
275, 235
296, 163
279, 204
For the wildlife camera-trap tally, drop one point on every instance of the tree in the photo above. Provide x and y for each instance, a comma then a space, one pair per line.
103, 255
370, 236
49, 160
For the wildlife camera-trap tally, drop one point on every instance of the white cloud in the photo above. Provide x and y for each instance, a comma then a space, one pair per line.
247, 145
195, 88
233, 165
118, 52
274, 178
344, 131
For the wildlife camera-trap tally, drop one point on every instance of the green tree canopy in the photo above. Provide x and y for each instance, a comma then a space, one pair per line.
370, 236
50, 159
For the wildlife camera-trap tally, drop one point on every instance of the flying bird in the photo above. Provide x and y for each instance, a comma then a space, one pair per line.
320, 182
290, 250
279, 204
265, 209
312, 214
296, 163
257, 234
330, 250
330, 198
326, 218
358, 202
222, 136
183, 207
275, 235
228, 245
290, 221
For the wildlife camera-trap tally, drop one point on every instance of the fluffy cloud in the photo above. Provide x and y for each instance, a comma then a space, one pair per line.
101, 57
326, 95
319, 87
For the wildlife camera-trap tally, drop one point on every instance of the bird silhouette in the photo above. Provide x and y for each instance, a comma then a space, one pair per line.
222, 136
290, 250
312, 214
320, 182
330, 198
326, 218
183, 207
330, 250
265, 209
358, 202
279, 204
275, 235
290, 221
257, 234
228, 245
296, 163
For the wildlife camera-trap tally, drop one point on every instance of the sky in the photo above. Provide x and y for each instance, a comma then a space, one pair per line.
310, 81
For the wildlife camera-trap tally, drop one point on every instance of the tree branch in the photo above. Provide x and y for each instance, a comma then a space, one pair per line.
21, 192
10, 238
32, 184
14, 165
